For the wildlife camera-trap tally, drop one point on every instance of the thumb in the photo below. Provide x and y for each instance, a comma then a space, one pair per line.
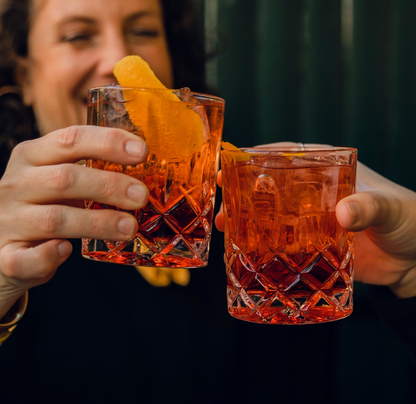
369, 209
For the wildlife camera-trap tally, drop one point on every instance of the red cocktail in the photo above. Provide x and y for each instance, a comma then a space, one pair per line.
288, 260
175, 226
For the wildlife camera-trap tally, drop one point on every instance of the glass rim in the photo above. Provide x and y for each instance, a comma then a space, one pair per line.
282, 150
180, 90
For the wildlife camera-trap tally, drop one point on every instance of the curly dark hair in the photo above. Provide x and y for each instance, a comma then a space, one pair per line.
17, 123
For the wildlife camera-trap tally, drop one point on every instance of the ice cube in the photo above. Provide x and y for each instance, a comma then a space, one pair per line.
185, 95
317, 159
265, 184
330, 189
115, 113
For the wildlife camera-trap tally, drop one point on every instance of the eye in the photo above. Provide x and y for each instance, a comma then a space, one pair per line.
78, 38
149, 33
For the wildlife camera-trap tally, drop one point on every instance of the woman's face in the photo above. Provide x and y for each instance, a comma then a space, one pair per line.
74, 45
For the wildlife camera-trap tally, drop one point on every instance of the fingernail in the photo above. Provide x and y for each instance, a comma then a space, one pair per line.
64, 249
126, 226
135, 148
137, 193
354, 211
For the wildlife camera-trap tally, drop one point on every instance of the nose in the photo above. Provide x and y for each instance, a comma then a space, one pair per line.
112, 50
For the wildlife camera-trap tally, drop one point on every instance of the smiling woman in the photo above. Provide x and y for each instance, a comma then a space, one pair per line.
74, 45
52, 51
57, 59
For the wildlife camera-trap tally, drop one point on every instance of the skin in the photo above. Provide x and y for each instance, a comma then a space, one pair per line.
73, 46
383, 215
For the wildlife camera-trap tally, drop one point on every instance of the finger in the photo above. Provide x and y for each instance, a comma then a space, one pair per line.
58, 221
219, 219
369, 209
76, 143
71, 181
35, 263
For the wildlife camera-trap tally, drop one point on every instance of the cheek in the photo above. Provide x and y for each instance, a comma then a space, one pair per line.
53, 95
160, 62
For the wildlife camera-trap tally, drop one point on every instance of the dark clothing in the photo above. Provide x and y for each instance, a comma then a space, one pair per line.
398, 314
99, 333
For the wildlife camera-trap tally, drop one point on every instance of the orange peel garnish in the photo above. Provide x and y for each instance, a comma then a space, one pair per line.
241, 156
229, 146
290, 156
172, 129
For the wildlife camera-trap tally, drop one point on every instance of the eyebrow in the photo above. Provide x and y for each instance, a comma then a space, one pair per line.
76, 18
140, 14
88, 20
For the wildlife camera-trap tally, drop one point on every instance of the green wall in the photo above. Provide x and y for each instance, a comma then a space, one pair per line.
286, 74
298, 70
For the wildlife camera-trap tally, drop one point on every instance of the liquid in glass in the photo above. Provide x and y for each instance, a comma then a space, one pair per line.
288, 260
175, 226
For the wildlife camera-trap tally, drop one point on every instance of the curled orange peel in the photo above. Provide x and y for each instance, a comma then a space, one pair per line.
241, 156
244, 156
172, 130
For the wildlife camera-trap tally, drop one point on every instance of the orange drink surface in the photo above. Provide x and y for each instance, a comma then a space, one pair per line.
183, 130
288, 261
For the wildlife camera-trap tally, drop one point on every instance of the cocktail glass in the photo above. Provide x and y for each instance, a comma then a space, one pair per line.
288, 261
175, 226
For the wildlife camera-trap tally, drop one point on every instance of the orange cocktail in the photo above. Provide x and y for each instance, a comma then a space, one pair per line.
175, 226
288, 260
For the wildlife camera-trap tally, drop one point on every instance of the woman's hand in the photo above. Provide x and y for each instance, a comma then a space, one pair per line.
384, 216
41, 202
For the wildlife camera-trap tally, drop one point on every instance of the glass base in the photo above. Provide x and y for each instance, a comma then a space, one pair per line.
286, 316
290, 289
176, 254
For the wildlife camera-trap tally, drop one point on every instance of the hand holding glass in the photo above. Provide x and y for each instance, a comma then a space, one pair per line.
175, 226
288, 260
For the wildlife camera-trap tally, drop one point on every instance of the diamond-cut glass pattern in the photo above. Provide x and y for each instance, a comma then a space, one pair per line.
288, 260
279, 293
175, 227
176, 236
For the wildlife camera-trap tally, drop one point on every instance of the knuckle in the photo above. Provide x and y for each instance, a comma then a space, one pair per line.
10, 266
62, 177
96, 223
108, 185
108, 139
21, 149
69, 137
51, 220
384, 207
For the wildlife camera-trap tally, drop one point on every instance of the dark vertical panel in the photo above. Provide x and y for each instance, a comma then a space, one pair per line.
402, 143
278, 85
261, 81
236, 67
370, 82
322, 86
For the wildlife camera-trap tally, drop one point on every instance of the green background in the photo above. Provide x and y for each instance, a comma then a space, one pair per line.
287, 74
335, 72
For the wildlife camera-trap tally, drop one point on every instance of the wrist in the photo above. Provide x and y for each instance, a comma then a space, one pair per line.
9, 295
9, 321
406, 287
